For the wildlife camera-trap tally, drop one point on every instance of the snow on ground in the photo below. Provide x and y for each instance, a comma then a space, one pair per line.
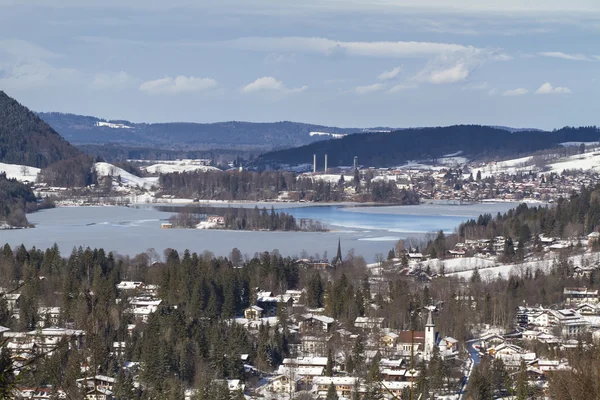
331, 178
21, 173
333, 135
167, 168
580, 161
508, 167
493, 269
452, 265
114, 126
127, 179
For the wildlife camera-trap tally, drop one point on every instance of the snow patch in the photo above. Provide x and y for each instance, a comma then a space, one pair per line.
333, 135
127, 179
164, 168
21, 173
112, 125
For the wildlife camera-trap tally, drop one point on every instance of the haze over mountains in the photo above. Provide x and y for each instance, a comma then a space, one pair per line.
87, 130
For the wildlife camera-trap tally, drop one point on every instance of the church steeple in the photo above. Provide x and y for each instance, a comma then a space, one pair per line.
338, 257
430, 336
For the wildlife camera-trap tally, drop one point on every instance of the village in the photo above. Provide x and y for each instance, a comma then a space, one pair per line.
321, 347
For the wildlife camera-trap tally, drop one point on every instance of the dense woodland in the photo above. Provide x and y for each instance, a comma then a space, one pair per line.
388, 149
243, 219
17, 199
255, 186
27, 140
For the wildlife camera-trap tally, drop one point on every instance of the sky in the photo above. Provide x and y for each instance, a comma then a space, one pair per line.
351, 63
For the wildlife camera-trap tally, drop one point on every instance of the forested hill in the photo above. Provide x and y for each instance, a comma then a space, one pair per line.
260, 137
27, 140
388, 149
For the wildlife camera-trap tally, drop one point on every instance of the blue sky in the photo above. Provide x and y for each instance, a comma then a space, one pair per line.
350, 63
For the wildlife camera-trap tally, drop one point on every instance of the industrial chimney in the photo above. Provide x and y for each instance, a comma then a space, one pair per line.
355, 163
325, 163
314, 163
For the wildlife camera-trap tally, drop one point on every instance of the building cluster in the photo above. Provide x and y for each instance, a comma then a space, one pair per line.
462, 184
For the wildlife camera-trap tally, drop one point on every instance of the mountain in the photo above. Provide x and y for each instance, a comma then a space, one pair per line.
387, 149
86, 130
27, 140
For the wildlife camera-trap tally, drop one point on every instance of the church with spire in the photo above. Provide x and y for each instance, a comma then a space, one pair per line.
430, 337
337, 261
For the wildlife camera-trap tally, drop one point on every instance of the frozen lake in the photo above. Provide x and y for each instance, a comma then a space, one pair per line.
367, 230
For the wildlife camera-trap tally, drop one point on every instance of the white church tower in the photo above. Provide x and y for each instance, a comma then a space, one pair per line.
429, 337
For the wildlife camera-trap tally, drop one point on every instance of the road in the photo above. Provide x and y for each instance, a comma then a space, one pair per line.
475, 359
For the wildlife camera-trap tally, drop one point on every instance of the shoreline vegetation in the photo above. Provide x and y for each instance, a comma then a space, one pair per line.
244, 219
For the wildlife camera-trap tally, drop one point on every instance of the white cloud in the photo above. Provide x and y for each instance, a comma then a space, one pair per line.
270, 84
402, 87
330, 47
515, 92
456, 73
565, 56
35, 74
111, 80
277, 58
547, 88
376, 87
180, 84
388, 75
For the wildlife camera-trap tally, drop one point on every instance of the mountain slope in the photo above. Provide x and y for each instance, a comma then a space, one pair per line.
86, 130
388, 149
27, 140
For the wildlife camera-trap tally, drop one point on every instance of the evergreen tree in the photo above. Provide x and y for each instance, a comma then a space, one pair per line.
329, 365
331, 393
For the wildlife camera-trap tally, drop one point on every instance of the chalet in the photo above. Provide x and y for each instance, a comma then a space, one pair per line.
99, 393
314, 345
40, 393
216, 220
269, 303
344, 385
390, 339
282, 384
304, 373
13, 301
580, 295
253, 313
317, 264
415, 257
130, 285
166, 225
456, 253
491, 340
48, 316
313, 322
369, 322
587, 309
593, 238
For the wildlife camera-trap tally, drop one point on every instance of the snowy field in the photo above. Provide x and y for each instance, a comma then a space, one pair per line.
127, 179
21, 173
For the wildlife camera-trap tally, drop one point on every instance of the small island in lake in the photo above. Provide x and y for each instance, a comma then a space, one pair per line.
246, 219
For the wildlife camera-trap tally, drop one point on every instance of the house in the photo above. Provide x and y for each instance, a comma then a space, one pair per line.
282, 384
390, 339
216, 220
369, 322
587, 309
13, 301
491, 340
580, 295
130, 285
253, 313
166, 225
593, 238
48, 316
269, 303
97, 382
314, 345
313, 322
40, 393
344, 385
456, 253
99, 393
449, 343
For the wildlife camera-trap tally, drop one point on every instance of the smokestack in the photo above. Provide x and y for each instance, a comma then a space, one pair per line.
355, 162
314, 163
325, 163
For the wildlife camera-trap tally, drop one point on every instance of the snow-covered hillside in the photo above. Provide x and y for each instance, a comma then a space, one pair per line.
333, 135
127, 179
22, 173
114, 126
580, 161
166, 168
